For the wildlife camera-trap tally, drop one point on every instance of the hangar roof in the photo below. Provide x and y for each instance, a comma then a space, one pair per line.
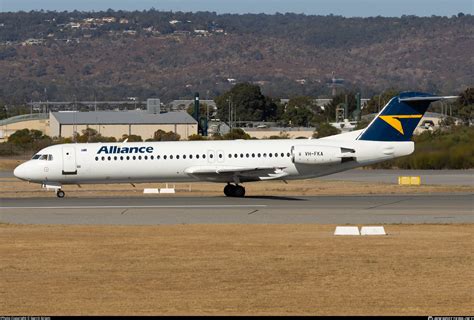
122, 117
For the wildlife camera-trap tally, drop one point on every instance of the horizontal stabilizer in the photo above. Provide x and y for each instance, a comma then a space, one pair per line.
432, 98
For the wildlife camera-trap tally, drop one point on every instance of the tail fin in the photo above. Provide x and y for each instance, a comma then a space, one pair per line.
399, 118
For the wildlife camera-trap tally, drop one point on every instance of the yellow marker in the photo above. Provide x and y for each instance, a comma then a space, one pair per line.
404, 180
395, 123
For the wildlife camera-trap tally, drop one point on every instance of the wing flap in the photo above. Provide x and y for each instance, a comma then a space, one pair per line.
234, 173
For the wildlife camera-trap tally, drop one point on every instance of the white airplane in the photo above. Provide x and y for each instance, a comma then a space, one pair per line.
235, 162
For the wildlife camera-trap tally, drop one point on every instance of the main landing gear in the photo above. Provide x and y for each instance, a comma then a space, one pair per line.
231, 190
60, 193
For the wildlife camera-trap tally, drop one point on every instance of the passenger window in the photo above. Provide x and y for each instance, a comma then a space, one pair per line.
241, 155
288, 154
264, 155
184, 156
204, 156
128, 157
121, 157
134, 158
197, 156
177, 156
103, 158
139, 157
164, 157
108, 158
236, 155
230, 156
259, 155
220, 155
158, 157
96, 158
190, 156
115, 157
253, 155
171, 157
211, 156
270, 155
282, 154
152, 157
146, 157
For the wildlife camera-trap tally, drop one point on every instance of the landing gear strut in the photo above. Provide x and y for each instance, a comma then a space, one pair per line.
60, 193
231, 190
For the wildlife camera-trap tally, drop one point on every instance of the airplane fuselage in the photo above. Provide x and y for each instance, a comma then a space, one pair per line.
185, 161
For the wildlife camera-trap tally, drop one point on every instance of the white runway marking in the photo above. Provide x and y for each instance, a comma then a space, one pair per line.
145, 207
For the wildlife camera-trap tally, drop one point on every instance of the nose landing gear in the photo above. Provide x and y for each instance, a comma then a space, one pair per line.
60, 193
231, 190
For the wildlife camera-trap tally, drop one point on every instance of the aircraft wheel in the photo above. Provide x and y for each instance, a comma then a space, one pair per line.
239, 191
60, 194
229, 190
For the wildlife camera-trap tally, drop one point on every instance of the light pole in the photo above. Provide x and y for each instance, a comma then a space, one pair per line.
6, 123
230, 112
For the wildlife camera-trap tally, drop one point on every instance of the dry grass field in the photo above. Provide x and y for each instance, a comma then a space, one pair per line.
8, 164
235, 270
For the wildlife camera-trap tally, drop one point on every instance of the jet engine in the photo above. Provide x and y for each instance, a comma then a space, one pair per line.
320, 154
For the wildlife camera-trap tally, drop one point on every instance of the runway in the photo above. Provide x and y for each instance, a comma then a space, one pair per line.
433, 177
364, 209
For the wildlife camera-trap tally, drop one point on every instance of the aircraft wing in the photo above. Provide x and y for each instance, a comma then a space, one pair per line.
235, 174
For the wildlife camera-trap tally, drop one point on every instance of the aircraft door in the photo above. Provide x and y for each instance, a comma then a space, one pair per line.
69, 160
211, 156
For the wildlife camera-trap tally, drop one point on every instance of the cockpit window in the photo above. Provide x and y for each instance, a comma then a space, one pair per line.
48, 157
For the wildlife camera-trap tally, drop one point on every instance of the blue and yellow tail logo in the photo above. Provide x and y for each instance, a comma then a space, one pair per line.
396, 123
399, 118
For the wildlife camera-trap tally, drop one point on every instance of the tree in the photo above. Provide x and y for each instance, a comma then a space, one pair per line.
202, 110
465, 104
132, 138
325, 130
236, 133
216, 136
377, 102
24, 137
247, 103
91, 135
338, 101
161, 135
362, 124
196, 137
300, 111
3, 112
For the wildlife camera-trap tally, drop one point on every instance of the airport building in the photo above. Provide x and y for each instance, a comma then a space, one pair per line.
107, 123
117, 123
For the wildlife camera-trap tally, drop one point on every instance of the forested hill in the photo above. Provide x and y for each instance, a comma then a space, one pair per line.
118, 54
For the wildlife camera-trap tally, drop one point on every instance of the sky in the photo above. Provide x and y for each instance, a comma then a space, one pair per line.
347, 8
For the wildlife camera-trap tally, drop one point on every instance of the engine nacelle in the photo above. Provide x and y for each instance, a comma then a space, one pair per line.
316, 155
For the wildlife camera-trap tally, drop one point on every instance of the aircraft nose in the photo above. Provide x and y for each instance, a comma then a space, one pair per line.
21, 172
